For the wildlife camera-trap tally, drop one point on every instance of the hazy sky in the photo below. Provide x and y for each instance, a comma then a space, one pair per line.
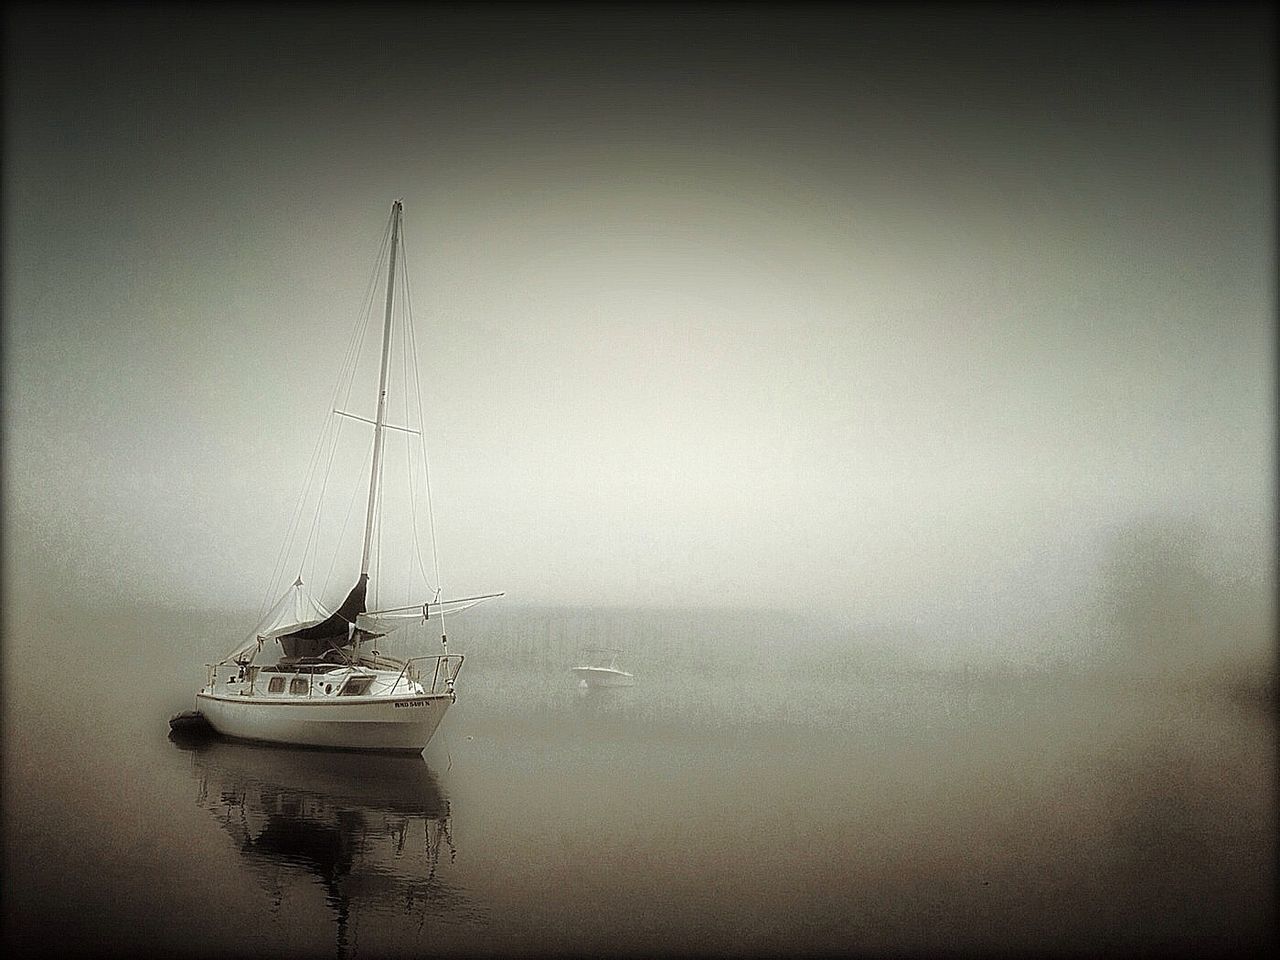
831, 307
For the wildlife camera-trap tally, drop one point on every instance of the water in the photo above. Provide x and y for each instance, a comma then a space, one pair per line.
741, 799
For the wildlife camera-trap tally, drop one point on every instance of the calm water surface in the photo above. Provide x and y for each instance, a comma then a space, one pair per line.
723, 805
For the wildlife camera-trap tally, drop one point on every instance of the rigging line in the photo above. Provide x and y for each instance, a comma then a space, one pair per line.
377, 535
426, 466
288, 538
310, 475
407, 571
422, 435
411, 334
405, 354
286, 545
408, 460
413, 487
313, 535
347, 373
355, 491
349, 369
400, 398
379, 498
332, 435
350, 365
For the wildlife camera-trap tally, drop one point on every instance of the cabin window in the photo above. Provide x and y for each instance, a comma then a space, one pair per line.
276, 685
356, 686
298, 685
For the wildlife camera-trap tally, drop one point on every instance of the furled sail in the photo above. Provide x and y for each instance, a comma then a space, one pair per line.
332, 632
296, 608
381, 622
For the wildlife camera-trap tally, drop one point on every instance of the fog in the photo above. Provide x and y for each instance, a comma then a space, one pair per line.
953, 325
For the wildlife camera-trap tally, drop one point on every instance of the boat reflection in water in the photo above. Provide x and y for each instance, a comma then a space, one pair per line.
369, 829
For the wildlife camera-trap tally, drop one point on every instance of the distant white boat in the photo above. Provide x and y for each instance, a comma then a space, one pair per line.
328, 679
598, 667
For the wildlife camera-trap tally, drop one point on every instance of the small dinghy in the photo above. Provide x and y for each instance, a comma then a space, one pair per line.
190, 723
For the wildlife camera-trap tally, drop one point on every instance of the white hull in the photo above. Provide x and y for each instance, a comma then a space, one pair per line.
603, 677
400, 724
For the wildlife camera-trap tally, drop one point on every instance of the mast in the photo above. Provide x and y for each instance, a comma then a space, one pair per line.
382, 393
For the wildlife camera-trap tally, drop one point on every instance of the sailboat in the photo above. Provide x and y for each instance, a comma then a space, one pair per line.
314, 677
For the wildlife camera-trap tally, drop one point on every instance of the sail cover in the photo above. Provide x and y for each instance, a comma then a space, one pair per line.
334, 631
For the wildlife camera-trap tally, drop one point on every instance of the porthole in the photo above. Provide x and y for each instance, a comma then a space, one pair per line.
328, 688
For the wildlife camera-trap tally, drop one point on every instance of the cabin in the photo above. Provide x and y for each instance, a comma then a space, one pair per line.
292, 678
